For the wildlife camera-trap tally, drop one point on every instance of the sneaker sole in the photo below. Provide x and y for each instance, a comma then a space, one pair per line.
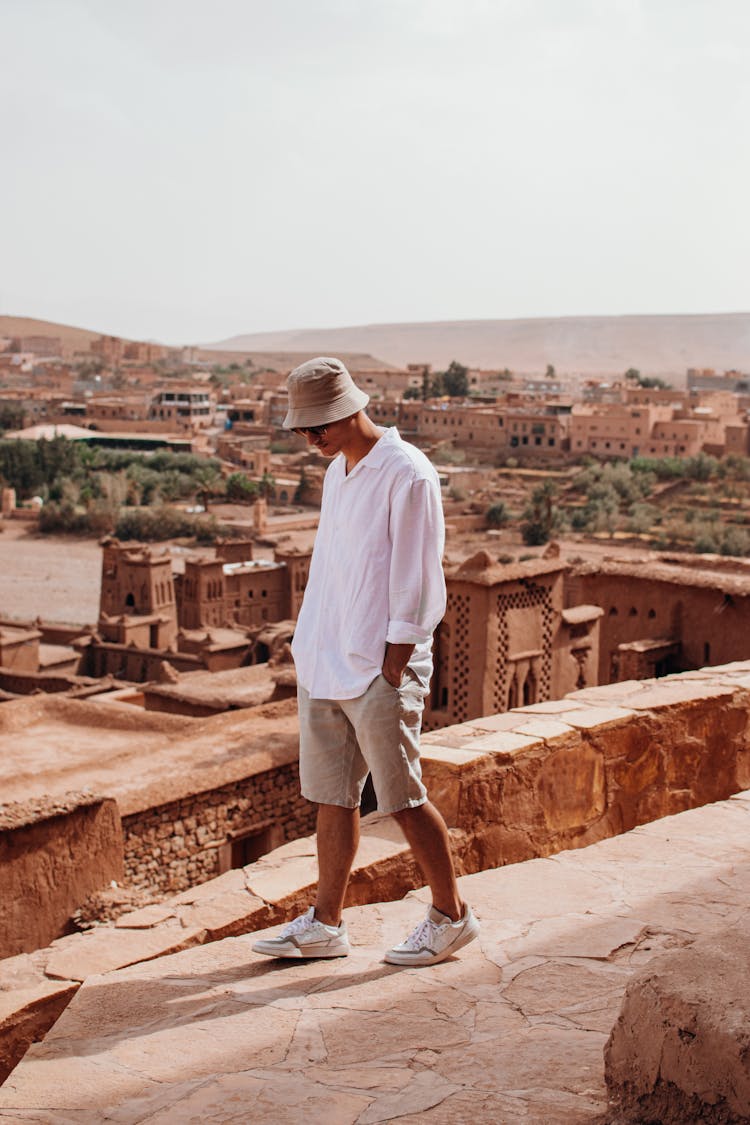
427, 957
305, 953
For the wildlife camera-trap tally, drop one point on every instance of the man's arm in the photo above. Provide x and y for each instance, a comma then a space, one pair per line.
396, 659
416, 580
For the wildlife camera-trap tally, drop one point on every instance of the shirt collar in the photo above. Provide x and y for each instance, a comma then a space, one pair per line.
375, 458
379, 451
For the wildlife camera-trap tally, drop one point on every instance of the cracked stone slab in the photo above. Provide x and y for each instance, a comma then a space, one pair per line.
106, 949
452, 755
511, 1029
590, 717
226, 915
577, 935
145, 918
543, 728
502, 742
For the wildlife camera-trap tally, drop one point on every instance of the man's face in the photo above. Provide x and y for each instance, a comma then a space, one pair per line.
331, 440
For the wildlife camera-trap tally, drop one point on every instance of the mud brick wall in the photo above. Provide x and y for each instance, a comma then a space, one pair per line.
565, 774
172, 847
53, 854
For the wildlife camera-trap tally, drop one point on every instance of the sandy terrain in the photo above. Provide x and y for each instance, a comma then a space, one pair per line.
658, 345
57, 579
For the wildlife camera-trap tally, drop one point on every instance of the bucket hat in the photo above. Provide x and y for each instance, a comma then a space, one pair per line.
321, 391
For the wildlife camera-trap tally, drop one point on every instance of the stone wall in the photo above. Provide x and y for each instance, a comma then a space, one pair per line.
104, 658
175, 846
53, 854
709, 620
568, 773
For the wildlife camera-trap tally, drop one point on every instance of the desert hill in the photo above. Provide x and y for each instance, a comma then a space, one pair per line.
284, 360
72, 339
80, 339
589, 345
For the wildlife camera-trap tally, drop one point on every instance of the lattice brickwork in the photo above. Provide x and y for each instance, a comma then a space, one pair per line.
529, 598
458, 613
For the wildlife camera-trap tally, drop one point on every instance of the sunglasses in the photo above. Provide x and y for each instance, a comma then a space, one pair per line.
316, 431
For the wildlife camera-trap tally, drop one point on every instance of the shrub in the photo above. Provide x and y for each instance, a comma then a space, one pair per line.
64, 517
241, 488
643, 517
735, 541
151, 524
497, 515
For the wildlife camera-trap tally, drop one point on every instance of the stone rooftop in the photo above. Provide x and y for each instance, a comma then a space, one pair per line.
511, 1030
707, 572
53, 745
248, 686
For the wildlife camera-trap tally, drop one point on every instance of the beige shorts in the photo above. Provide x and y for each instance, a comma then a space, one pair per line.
342, 740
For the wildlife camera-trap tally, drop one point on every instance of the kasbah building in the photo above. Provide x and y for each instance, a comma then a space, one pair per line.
164, 737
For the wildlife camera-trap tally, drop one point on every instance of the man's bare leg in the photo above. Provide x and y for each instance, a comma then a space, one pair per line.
428, 838
338, 839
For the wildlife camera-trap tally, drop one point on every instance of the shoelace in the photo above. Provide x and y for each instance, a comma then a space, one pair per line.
304, 922
422, 935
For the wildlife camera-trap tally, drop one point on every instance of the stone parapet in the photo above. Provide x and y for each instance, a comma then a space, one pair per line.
54, 853
566, 773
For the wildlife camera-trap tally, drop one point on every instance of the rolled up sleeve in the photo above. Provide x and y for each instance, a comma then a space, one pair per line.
417, 583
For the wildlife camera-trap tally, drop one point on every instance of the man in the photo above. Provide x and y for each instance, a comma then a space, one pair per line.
362, 649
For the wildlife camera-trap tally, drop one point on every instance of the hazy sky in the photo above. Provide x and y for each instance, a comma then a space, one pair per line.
190, 169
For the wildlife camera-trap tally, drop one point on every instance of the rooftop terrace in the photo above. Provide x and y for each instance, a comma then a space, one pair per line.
512, 1030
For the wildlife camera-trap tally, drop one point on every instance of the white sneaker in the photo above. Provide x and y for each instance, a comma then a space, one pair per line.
434, 939
306, 936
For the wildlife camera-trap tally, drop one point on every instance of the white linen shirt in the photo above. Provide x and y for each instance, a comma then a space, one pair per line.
376, 573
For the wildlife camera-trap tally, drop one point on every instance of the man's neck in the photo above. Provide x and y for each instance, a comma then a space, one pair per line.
363, 436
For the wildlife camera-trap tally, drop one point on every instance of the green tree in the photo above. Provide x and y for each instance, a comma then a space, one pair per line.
456, 380
497, 515
11, 416
267, 486
653, 382
550, 371
541, 515
207, 479
241, 489
303, 488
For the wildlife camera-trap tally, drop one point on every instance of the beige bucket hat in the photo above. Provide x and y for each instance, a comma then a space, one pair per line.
320, 391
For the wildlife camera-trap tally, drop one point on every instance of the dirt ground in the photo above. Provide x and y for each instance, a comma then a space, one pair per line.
56, 578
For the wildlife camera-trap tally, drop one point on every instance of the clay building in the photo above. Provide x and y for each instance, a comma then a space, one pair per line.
658, 423
672, 614
142, 351
183, 407
38, 345
207, 617
255, 458
19, 648
507, 641
516, 426
137, 602
706, 379
108, 348
390, 383
245, 413
236, 589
